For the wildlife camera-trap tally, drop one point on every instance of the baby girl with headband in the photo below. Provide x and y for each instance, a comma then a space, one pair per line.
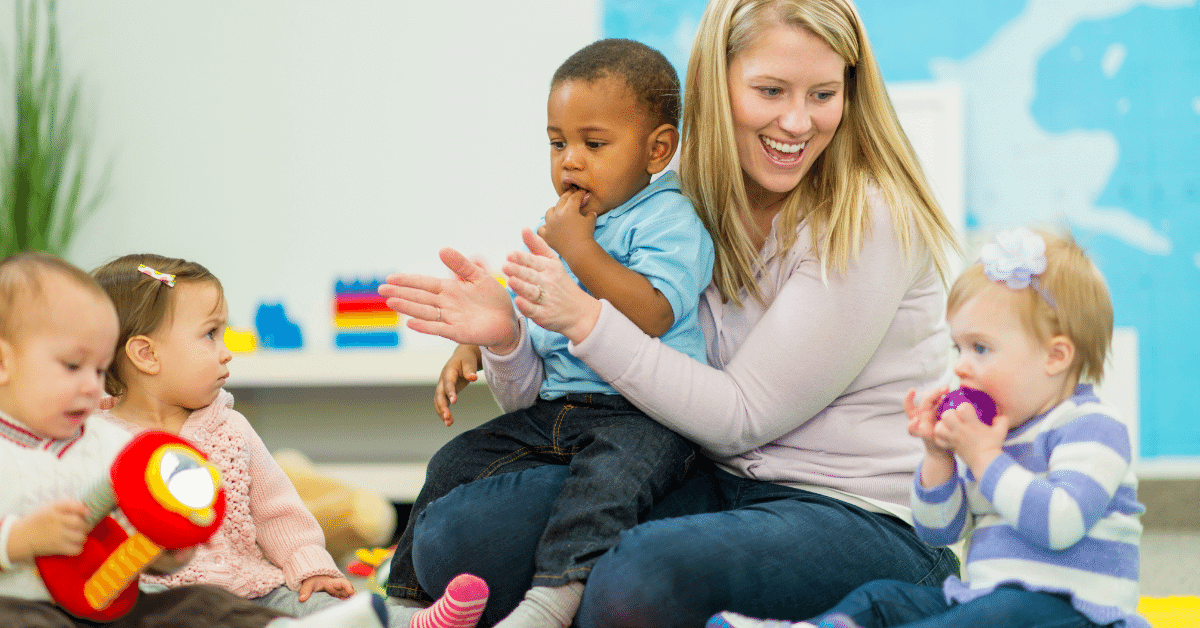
1048, 488
170, 366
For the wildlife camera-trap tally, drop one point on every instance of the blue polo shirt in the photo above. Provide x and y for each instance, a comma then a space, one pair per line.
658, 235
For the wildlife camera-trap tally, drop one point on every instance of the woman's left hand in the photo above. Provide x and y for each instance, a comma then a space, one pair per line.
546, 293
470, 308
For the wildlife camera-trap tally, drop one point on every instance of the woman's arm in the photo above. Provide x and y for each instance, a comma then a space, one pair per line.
515, 378
806, 349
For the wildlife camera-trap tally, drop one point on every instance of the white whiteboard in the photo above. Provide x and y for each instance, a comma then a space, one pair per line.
287, 144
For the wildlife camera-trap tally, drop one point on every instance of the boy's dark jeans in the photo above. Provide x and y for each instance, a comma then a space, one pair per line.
621, 462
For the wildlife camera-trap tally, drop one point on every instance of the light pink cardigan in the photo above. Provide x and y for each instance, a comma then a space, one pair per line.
268, 538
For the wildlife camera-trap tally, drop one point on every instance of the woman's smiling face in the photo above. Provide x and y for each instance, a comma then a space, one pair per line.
786, 90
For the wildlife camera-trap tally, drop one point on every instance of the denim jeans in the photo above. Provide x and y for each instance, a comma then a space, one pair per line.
891, 604
619, 462
719, 542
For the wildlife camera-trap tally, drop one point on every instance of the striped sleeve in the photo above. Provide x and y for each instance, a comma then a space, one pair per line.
939, 512
1090, 457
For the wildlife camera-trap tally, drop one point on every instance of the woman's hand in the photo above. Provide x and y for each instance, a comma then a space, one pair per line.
461, 369
546, 293
469, 308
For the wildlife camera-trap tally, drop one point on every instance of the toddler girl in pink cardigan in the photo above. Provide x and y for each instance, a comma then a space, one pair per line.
171, 363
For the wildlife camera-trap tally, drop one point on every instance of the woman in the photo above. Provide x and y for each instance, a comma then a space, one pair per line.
824, 309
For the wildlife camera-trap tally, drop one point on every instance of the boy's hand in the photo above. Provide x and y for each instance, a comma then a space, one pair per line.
58, 529
337, 587
566, 230
461, 369
170, 561
976, 442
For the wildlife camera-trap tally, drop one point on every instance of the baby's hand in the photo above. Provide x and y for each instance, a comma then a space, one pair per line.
58, 529
923, 419
566, 229
337, 587
976, 442
461, 369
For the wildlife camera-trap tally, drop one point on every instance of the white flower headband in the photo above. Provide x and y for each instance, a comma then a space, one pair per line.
1015, 259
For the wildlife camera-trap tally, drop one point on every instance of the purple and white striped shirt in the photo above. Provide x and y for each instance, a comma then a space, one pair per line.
1057, 511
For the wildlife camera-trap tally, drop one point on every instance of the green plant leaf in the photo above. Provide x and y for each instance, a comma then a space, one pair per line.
46, 166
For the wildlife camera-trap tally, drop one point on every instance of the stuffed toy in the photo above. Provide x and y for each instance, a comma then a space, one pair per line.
351, 518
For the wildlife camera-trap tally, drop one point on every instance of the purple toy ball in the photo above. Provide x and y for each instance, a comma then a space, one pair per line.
985, 408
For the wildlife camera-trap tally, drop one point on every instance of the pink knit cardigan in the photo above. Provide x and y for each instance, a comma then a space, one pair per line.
268, 538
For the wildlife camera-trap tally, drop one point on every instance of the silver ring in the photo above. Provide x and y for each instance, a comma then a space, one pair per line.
439, 318
541, 291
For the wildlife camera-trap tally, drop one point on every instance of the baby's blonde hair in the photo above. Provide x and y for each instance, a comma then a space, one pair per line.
868, 148
1082, 309
143, 302
21, 286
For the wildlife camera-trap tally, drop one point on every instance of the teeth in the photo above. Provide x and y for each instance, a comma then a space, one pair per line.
784, 148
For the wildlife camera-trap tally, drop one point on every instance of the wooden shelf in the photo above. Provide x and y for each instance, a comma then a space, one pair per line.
347, 367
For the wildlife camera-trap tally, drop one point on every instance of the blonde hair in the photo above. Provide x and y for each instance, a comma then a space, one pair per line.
143, 302
21, 277
1076, 303
869, 146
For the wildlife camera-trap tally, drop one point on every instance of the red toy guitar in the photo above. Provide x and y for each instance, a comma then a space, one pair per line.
171, 495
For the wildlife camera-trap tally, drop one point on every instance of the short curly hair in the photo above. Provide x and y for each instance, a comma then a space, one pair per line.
645, 70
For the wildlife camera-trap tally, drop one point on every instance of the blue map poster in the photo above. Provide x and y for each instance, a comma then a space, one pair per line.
1084, 113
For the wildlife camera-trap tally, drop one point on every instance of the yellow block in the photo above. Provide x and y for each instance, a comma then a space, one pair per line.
1178, 611
239, 340
366, 319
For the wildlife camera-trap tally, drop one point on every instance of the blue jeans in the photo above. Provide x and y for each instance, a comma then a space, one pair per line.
892, 604
619, 462
719, 542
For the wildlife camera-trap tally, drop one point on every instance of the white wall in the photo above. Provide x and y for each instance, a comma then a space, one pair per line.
285, 144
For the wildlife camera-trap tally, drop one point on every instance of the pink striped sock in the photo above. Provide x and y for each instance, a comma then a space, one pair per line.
459, 607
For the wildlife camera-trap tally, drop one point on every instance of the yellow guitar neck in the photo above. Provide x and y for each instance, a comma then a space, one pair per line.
119, 570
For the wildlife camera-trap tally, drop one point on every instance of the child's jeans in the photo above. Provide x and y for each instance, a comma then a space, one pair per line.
893, 604
621, 463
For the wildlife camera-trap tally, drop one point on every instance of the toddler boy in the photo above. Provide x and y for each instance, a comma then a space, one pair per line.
612, 120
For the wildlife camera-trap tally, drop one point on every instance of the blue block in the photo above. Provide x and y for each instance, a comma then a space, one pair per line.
349, 339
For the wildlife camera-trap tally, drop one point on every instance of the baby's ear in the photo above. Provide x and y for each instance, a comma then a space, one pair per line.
140, 351
661, 143
1060, 355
